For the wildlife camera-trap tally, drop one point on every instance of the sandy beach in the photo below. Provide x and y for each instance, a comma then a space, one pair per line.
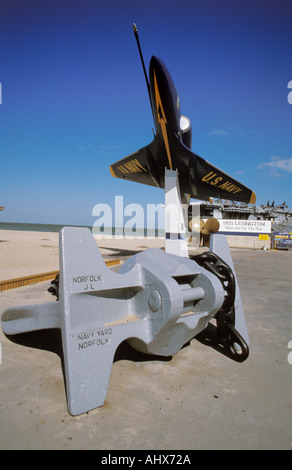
198, 399
25, 253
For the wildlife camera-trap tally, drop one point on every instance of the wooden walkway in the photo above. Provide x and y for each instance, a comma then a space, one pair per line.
36, 278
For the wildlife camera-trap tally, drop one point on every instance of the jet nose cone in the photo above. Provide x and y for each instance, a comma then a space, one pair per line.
157, 64
162, 74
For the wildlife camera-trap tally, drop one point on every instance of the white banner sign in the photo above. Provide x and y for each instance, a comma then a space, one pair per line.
245, 226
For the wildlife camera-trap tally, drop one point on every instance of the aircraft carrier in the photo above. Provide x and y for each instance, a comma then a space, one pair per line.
279, 215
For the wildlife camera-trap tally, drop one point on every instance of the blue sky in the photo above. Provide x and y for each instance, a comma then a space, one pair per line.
74, 98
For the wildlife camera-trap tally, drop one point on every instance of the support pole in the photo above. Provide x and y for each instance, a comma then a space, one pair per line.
175, 216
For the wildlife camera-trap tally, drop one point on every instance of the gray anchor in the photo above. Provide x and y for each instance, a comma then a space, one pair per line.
156, 301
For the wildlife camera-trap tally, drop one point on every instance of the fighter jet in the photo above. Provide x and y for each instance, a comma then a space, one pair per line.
171, 147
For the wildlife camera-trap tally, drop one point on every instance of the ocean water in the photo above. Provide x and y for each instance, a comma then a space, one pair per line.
139, 232
32, 227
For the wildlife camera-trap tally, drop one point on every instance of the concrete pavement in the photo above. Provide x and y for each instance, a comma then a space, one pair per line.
199, 399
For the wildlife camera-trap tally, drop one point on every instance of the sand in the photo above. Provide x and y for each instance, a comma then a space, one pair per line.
26, 253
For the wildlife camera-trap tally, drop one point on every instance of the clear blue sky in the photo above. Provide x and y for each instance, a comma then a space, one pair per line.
74, 98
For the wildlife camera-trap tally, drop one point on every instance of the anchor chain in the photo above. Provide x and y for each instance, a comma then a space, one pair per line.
54, 287
225, 317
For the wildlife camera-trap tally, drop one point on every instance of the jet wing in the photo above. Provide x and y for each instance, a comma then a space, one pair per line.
140, 166
197, 177
215, 183
202, 180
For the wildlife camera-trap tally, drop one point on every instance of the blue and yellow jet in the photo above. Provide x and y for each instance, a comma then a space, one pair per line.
171, 147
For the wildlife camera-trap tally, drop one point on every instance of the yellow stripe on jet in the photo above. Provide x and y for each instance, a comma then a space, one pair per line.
112, 171
253, 198
162, 120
